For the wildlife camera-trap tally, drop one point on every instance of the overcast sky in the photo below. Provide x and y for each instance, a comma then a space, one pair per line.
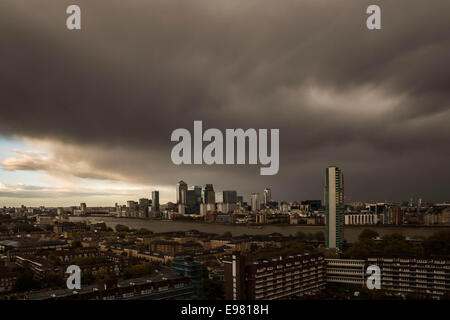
86, 116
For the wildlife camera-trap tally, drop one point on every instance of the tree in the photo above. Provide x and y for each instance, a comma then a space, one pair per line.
53, 258
368, 234
210, 289
363, 248
3, 229
394, 236
376, 294
446, 296
76, 244
53, 280
396, 244
227, 234
122, 228
104, 275
319, 236
25, 282
86, 261
310, 236
139, 270
213, 289
330, 253
144, 231
87, 278
438, 244
300, 235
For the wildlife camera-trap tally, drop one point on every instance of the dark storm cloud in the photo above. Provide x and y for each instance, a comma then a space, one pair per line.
39, 192
375, 103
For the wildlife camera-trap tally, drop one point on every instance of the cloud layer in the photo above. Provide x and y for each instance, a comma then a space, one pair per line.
106, 99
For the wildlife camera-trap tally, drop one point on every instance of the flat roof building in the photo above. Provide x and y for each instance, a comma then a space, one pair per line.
275, 278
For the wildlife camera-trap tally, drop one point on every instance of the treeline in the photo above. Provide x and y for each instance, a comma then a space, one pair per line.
396, 244
317, 236
124, 229
270, 252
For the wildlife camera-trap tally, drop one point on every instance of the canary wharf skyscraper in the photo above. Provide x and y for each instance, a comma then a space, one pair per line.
155, 200
208, 194
267, 196
334, 202
181, 192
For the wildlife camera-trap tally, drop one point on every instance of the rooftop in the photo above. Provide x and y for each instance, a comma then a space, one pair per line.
162, 276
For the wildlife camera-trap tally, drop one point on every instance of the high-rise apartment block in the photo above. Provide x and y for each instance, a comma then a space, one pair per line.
399, 275
277, 278
334, 203
406, 275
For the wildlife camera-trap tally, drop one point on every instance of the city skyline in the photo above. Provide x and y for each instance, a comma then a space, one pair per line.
412, 201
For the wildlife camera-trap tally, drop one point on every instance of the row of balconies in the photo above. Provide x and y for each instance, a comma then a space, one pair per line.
293, 291
301, 282
345, 280
261, 273
355, 272
277, 289
259, 280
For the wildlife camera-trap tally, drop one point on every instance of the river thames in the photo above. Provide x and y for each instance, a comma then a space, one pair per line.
350, 233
